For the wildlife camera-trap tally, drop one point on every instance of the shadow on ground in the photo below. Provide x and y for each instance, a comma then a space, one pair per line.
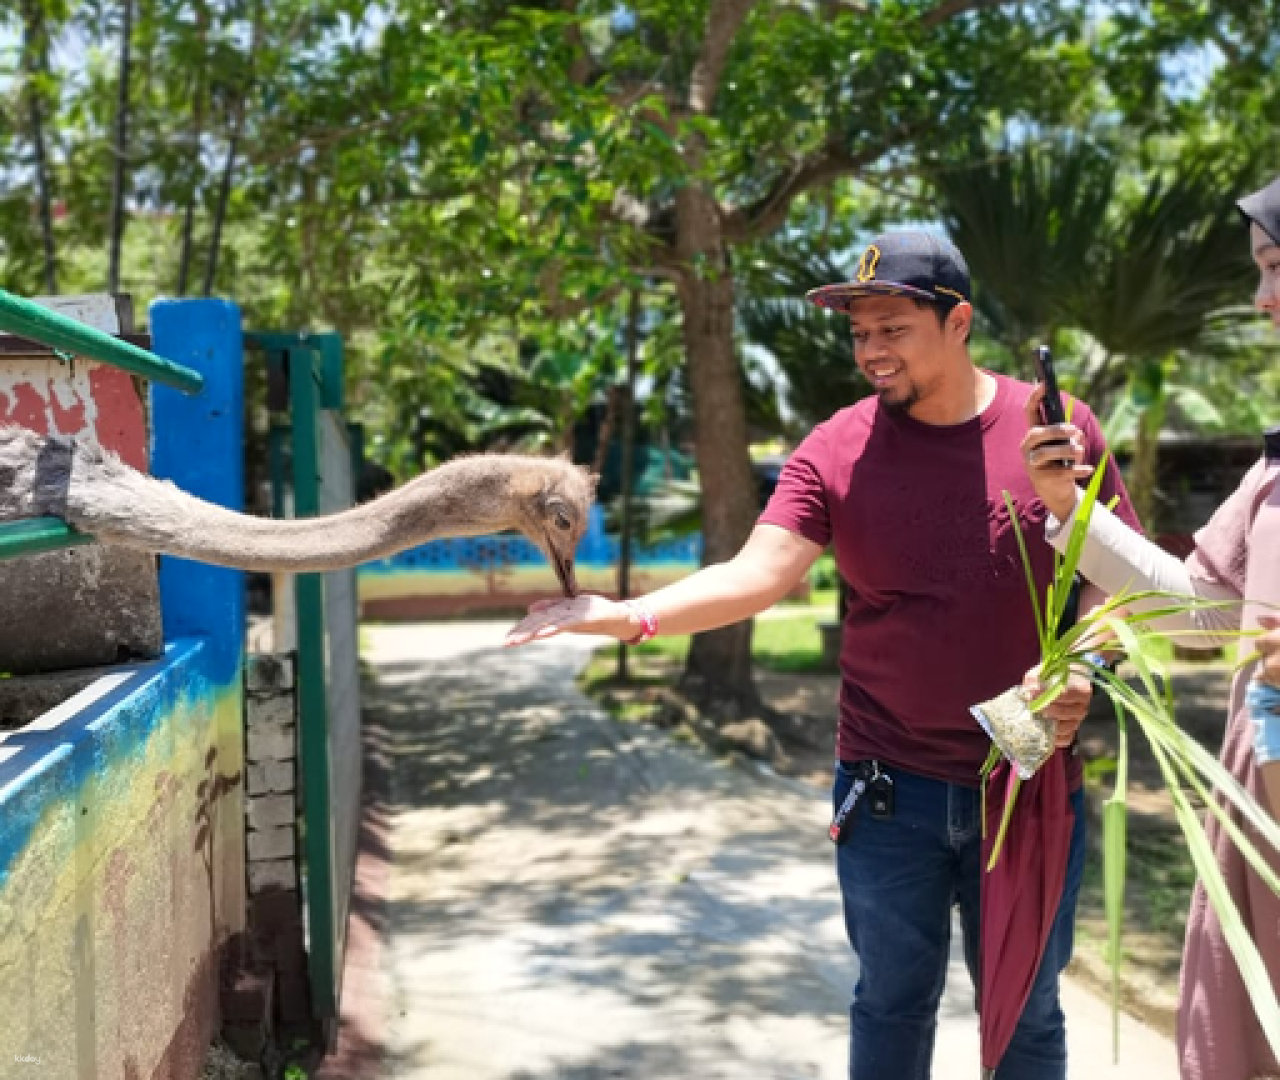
552, 864
577, 897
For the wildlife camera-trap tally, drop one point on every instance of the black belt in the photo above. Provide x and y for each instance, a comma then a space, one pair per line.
866, 769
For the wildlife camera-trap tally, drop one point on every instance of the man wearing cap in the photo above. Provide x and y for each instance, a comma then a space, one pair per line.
1236, 560
907, 487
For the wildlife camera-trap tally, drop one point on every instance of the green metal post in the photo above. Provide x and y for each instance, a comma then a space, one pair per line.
313, 717
332, 391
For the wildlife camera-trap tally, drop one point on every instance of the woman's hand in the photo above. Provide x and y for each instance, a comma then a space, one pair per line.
1044, 451
585, 613
1068, 709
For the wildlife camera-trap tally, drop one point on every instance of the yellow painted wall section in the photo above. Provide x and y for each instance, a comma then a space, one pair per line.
112, 911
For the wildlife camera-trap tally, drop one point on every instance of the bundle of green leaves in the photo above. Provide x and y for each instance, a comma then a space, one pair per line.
1187, 768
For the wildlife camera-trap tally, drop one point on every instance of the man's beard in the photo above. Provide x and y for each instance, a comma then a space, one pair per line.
900, 406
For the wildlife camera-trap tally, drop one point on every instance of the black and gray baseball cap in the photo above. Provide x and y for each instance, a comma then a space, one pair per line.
905, 263
1263, 209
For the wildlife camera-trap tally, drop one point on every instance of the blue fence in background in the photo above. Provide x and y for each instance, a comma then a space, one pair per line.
598, 548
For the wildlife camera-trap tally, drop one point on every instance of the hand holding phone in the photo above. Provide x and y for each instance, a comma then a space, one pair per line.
1051, 409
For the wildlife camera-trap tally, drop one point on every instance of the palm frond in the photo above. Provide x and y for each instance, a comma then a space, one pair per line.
1173, 268
811, 346
1027, 219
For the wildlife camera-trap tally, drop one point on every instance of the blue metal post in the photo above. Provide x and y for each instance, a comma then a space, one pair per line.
198, 443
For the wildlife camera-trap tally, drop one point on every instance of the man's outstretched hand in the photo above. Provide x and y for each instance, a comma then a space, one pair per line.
585, 613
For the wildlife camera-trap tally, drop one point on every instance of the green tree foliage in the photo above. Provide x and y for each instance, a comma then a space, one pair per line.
812, 347
1136, 252
1030, 220
659, 141
431, 177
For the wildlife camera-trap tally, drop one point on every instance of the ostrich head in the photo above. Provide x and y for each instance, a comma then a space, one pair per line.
553, 497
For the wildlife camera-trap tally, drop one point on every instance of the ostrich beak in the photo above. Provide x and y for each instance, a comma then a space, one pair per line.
562, 564
564, 571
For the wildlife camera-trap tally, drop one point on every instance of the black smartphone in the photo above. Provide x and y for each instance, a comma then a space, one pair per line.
1051, 410
1272, 443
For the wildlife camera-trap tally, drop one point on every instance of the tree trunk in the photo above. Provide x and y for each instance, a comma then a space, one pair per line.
34, 63
628, 395
233, 145
120, 176
220, 211
197, 137
604, 436
1144, 468
718, 675
188, 219
1153, 377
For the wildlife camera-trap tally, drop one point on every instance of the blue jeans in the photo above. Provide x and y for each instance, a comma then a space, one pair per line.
899, 878
1263, 702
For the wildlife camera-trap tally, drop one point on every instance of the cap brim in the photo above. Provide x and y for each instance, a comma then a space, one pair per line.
839, 296
1257, 208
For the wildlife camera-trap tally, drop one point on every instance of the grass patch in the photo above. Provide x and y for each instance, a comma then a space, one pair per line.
788, 641
792, 643
649, 665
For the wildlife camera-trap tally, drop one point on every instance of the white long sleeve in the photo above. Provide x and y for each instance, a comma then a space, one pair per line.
1117, 559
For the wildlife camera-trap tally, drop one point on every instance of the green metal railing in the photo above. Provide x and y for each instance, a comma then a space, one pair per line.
58, 331
64, 334
35, 535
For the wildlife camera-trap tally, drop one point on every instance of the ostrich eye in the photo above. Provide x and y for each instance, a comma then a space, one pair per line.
562, 522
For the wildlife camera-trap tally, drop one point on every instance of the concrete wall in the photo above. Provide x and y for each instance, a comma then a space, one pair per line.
121, 810
270, 999
121, 871
88, 605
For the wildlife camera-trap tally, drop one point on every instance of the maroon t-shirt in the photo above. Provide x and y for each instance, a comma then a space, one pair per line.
939, 616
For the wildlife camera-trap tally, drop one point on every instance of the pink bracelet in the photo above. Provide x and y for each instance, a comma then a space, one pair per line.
648, 621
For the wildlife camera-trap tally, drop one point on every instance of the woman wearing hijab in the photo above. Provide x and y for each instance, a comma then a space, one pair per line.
1236, 558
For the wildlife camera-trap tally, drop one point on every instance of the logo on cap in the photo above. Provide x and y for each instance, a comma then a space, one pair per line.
867, 264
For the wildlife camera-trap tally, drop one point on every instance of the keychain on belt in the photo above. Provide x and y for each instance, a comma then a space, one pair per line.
840, 824
880, 789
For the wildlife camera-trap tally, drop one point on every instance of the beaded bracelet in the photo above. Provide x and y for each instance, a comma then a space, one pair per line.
648, 621
1262, 701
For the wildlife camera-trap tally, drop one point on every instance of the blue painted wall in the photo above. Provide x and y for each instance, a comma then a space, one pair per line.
598, 549
121, 817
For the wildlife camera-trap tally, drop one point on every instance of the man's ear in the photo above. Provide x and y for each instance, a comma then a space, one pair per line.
960, 318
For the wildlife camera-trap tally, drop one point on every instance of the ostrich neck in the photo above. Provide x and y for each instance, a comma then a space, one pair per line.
470, 497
